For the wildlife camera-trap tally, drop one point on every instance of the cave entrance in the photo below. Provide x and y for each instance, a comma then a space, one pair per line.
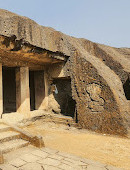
32, 90
9, 89
37, 89
64, 96
126, 87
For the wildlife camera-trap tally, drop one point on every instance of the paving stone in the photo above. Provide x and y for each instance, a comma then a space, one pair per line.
32, 166
69, 156
73, 165
74, 162
8, 167
92, 167
40, 153
109, 167
46, 167
49, 161
56, 156
17, 162
67, 163
30, 158
80, 168
17, 153
94, 163
25, 150
50, 151
66, 167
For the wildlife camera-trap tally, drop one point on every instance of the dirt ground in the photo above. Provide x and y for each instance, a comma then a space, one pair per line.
111, 150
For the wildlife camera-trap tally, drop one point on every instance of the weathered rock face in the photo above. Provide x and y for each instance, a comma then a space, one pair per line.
97, 72
96, 104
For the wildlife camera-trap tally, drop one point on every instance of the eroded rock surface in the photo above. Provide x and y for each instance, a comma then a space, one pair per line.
98, 73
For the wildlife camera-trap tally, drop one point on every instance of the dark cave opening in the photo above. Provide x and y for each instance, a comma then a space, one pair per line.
64, 96
9, 90
32, 90
126, 87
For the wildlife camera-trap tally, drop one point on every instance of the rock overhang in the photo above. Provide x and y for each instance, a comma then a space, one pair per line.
15, 53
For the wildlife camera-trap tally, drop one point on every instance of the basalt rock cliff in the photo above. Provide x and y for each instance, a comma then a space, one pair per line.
100, 75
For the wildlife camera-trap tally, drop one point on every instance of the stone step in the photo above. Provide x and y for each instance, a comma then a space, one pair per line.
4, 127
9, 135
8, 146
1, 121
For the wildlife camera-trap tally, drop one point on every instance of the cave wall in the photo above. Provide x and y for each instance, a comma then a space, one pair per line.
96, 73
96, 105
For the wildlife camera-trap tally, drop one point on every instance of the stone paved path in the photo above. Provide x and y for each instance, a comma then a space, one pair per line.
31, 158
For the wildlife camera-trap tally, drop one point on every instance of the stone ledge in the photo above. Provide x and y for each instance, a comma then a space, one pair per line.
34, 140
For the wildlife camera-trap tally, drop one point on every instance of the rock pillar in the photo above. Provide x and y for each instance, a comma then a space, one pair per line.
22, 90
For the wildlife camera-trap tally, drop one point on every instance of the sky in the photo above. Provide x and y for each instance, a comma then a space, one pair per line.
102, 21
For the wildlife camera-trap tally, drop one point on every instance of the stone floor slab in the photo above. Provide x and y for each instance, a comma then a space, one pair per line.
74, 162
92, 167
49, 161
17, 162
68, 156
17, 153
67, 163
56, 156
50, 151
40, 153
66, 167
32, 166
30, 158
94, 163
7, 167
46, 167
109, 167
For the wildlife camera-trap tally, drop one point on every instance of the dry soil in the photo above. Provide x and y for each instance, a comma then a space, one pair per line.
107, 149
